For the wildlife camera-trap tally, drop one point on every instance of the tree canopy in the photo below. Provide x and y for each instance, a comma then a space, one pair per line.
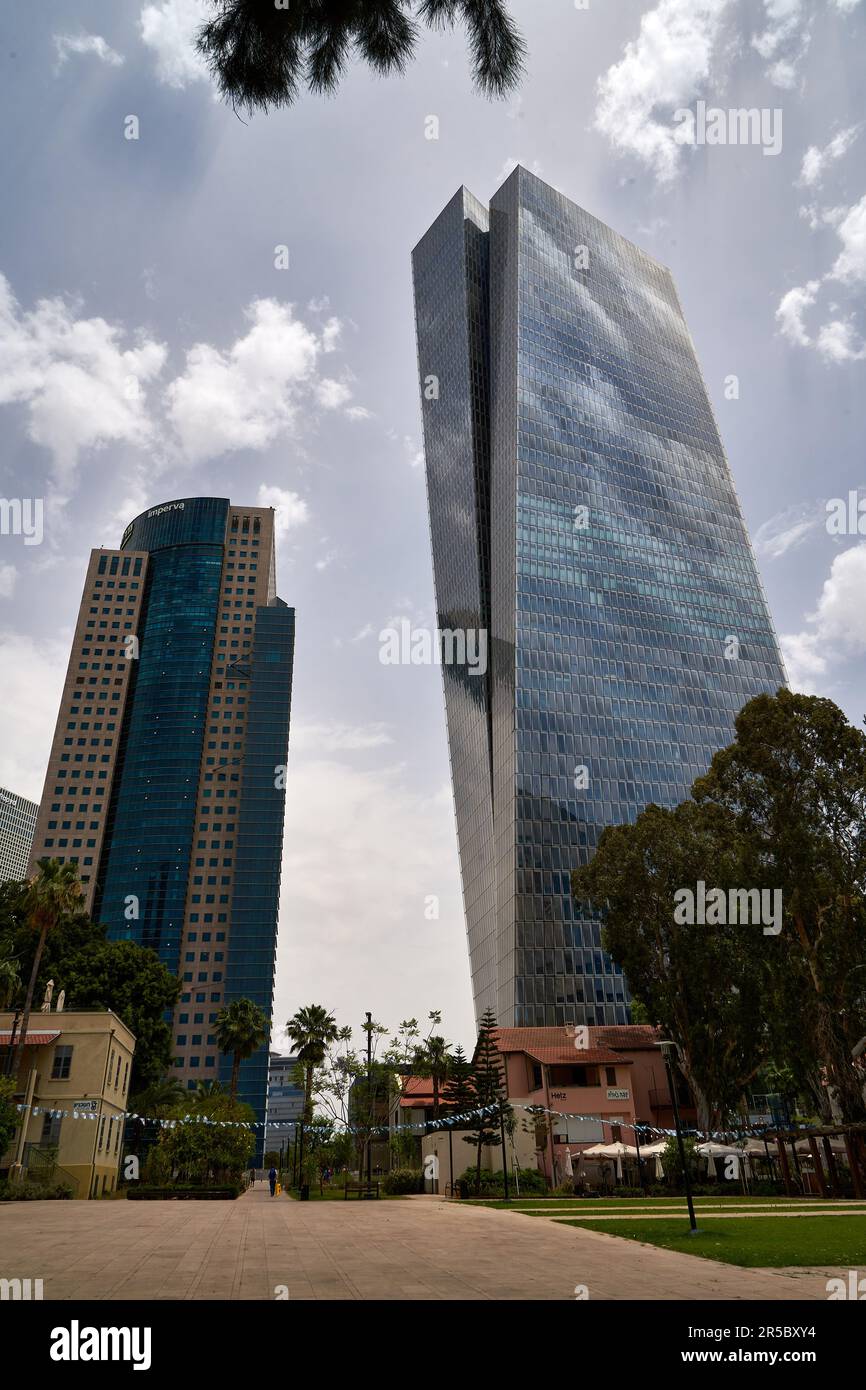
261, 52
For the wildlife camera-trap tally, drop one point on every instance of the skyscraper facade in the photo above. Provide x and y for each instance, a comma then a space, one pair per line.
166, 780
17, 824
581, 508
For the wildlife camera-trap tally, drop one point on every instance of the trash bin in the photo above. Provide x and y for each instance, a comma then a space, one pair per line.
305, 1192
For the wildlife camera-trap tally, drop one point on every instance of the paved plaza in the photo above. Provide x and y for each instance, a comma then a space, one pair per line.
419, 1248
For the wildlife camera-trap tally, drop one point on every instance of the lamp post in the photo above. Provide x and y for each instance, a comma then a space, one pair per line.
369, 1031
668, 1052
504, 1153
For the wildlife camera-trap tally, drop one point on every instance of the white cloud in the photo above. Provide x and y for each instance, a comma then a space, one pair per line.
80, 388
332, 737
818, 217
785, 40
83, 389
803, 662
837, 340
67, 44
33, 673
332, 394
365, 852
788, 529
247, 396
290, 510
511, 163
815, 160
169, 30
791, 311
8, 580
846, 6
660, 69
837, 627
851, 263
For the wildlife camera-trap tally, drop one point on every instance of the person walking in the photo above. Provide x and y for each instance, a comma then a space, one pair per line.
272, 1179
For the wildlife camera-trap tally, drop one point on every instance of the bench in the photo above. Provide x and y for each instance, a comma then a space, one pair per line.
363, 1190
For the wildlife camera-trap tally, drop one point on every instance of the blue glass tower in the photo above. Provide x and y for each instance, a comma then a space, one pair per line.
582, 507
189, 861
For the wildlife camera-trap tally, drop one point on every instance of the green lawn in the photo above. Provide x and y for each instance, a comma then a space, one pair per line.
757, 1242
617, 1205
335, 1194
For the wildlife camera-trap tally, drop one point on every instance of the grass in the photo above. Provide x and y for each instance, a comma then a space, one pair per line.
626, 1204
760, 1242
335, 1194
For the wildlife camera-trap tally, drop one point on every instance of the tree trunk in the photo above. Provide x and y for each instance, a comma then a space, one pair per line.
236, 1071
435, 1095
28, 1004
478, 1164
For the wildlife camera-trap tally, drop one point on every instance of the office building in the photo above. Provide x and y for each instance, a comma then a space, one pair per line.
17, 824
166, 780
582, 513
285, 1102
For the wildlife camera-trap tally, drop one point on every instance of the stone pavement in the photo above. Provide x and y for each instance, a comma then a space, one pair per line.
395, 1250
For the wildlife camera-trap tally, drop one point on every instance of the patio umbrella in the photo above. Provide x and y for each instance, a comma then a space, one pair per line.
617, 1152
569, 1166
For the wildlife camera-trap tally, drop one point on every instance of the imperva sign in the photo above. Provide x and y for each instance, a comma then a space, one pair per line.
154, 512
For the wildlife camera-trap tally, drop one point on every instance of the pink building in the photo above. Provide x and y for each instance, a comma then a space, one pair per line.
614, 1073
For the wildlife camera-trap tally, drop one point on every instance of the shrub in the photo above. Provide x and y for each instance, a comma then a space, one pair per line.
401, 1181
28, 1191
492, 1184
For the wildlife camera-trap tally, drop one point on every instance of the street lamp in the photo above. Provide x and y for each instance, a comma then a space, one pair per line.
669, 1050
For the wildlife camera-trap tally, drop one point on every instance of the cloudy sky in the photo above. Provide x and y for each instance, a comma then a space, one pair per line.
154, 344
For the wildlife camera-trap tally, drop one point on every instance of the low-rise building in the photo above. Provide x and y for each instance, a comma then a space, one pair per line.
613, 1078
73, 1083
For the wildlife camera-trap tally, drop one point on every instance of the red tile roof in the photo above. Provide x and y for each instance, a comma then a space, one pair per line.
556, 1045
33, 1039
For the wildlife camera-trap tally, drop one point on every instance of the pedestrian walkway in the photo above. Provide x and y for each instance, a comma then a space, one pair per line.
263, 1248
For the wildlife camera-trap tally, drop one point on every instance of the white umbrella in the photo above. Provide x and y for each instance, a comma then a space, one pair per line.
569, 1166
617, 1151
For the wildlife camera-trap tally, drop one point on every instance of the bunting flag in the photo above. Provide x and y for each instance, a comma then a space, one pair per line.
419, 1126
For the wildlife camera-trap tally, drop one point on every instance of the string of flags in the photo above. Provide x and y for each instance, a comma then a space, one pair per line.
445, 1123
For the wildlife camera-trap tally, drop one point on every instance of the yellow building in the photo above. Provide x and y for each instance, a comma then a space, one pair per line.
74, 1082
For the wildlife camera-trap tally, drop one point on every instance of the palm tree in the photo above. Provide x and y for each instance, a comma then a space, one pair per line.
10, 976
433, 1060
159, 1100
241, 1028
206, 1090
311, 1030
259, 51
53, 894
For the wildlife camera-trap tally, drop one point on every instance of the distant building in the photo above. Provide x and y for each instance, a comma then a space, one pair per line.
613, 1075
285, 1102
74, 1082
17, 824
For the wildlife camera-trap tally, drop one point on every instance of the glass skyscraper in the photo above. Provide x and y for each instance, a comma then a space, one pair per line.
17, 824
582, 510
166, 781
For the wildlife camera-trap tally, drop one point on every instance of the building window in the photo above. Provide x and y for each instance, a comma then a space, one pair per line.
610, 1074
62, 1064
